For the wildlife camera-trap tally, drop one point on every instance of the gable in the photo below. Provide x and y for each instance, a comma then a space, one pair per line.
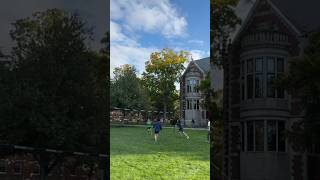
265, 16
192, 69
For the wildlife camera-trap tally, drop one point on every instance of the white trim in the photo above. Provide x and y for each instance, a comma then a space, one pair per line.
189, 67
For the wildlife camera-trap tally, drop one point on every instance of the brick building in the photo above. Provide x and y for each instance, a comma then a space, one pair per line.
190, 97
256, 114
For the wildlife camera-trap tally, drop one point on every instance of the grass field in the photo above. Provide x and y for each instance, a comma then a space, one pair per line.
134, 155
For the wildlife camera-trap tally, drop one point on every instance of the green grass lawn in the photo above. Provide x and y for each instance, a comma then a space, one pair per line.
134, 155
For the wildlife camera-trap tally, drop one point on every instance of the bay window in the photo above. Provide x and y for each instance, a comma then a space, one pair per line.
192, 86
260, 133
257, 75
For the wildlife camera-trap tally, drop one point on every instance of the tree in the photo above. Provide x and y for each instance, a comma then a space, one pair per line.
105, 40
303, 81
223, 21
127, 90
55, 95
162, 71
213, 104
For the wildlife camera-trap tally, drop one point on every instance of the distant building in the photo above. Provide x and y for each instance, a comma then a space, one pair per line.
190, 97
256, 114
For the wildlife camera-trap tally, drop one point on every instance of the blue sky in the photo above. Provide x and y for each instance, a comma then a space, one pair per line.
139, 27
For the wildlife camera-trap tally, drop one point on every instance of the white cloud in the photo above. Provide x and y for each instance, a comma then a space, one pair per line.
124, 54
197, 42
199, 54
151, 16
125, 50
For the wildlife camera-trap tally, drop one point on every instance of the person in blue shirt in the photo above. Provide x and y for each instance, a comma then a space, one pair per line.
157, 128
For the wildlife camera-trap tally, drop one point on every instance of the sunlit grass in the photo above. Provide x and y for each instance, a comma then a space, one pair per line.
134, 155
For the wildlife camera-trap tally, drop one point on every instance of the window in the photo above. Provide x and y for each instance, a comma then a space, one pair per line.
259, 65
249, 86
242, 72
197, 86
270, 76
260, 131
188, 86
192, 86
270, 66
259, 135
197, 104
249, 66
242, 136
281, 136
272, 137
188, 107
17, 167
280, 71
3, 166
250, 136
257, 76
242, 89
258, 85
270, 87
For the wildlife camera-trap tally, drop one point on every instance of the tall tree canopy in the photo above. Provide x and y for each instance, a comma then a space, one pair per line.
162, 71
222, 22
55, 94
127, 90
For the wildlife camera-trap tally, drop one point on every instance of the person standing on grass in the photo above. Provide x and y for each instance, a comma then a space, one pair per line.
192, 123
181, 131
157, 128
149, 126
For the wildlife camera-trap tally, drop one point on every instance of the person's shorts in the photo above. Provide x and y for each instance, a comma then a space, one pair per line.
149, 127
180, 129
156, 132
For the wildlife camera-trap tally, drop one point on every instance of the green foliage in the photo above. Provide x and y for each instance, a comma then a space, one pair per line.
134, 154
163, 70
303, 81
127, 90
213, 104
55, 95
222, 22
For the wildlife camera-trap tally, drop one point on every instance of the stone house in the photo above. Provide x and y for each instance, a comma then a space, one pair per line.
256, 114
190, 97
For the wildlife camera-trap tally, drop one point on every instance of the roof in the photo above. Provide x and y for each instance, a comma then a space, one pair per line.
203, 64
301, 14
216, 73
